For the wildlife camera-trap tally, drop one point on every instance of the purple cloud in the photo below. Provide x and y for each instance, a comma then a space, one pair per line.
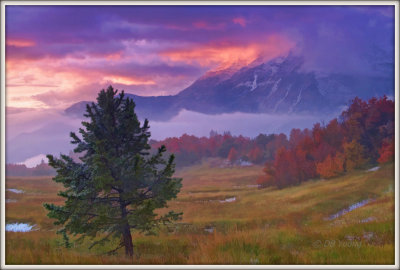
132, 41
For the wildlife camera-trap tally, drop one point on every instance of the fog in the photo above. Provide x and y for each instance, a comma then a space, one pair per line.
32, 133
246, 124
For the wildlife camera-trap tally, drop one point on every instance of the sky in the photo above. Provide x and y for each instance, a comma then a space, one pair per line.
59, 55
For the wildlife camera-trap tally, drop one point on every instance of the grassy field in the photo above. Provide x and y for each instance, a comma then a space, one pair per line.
228, 220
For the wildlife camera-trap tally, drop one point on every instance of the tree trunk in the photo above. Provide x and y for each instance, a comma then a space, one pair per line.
126, 233
127, 240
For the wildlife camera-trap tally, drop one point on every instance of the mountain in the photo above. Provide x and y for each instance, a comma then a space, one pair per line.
158, 108
53, 138
279, 86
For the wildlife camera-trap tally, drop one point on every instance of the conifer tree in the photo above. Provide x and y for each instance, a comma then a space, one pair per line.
119, 184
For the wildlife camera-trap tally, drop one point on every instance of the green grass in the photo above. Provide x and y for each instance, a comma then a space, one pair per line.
263, 226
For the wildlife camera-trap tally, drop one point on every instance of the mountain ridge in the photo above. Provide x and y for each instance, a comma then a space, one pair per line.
280, 85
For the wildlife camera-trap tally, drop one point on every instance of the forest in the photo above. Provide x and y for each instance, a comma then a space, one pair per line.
362, 135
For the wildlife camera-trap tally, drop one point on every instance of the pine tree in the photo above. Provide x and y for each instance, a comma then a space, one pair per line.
119, 184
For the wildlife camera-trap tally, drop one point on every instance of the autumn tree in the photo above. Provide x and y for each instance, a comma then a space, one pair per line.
332, 166
285, 168
369, 123
386, 152
277, 142
354, 154
256, 155
119, 184
268, 178
233, 155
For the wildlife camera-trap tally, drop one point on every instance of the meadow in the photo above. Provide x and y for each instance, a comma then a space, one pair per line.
228, 220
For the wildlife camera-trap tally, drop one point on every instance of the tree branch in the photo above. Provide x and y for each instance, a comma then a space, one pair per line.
114, 250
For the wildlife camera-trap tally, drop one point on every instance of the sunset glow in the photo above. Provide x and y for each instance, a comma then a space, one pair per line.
20, 43
53, 62
224, 55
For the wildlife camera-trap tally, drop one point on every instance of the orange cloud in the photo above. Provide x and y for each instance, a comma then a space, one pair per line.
128, 80
114, 56
221, 56
240, 20
25, 79
20, 43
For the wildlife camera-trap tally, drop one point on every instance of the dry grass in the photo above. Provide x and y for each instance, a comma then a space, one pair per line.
263, 226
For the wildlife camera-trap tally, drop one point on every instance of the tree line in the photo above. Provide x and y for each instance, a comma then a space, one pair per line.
190, 149
42, 169
361, 136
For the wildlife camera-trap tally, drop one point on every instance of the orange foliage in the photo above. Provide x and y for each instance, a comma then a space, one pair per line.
354, 155
331, 166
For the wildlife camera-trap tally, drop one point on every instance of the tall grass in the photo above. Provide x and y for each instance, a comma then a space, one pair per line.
263, 226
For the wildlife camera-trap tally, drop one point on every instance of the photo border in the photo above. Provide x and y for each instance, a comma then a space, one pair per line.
155, 3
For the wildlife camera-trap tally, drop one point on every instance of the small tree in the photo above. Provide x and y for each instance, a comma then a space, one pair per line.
233, 155
331, 166
256, 155
354, 155
118, 184
386, 152
268, 178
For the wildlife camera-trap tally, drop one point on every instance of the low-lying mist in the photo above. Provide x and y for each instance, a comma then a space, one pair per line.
31, 133
246, 124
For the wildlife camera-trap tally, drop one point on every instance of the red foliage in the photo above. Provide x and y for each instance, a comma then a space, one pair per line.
334, 134
268, 178
17, 170
292, 167
42, 169
386, 152
360, 137
233, 155
256, 155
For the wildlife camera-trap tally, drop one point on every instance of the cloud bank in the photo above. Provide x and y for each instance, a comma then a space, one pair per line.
53, 60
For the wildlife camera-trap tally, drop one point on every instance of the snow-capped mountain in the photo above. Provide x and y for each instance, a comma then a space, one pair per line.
279, 86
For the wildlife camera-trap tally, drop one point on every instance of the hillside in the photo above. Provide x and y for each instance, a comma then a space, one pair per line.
227, 220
